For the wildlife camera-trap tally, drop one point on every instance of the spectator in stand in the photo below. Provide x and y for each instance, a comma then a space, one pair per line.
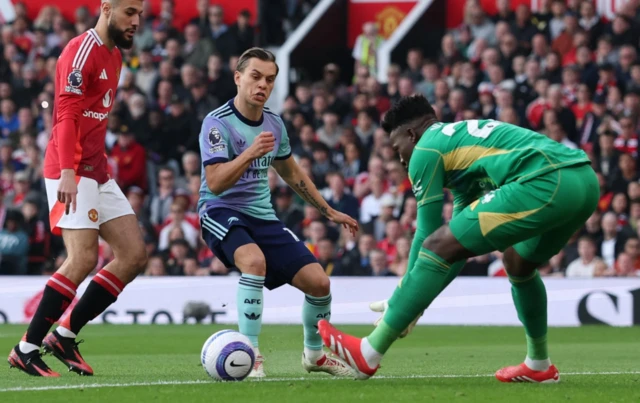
565, 117
196, 50
314, 233
557, 23
8, 118
160, 205
155, 266
130, 157
365, 50
330, 131
175, 257
220, 81
415, 61
379, 265
356, 261
16, 196
14, 244
38, 231
625, 174
339, 199
481, 26
588, 264
322, 163
632, 254
178, 220
242, 33
523, 28
202, 102
606, 155
612, 241
219, 33
287, 211
135, 195
327, 256
627, 141
504, 12
399, 264
393, 232
202, 19
591, 23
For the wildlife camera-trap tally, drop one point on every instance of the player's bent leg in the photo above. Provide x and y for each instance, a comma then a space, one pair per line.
315, 284
419, 287
576, 200
125, 238
59, 292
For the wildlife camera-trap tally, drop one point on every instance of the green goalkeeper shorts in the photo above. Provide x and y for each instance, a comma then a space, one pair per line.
537, 216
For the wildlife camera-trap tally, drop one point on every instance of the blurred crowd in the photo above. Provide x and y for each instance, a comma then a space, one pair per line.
564, 71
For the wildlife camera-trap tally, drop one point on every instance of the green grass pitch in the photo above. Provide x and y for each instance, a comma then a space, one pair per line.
440, 364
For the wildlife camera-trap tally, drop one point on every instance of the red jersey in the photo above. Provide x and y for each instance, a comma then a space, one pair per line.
87, 76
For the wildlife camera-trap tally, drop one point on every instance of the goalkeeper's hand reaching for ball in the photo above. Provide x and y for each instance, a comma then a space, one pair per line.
382, 306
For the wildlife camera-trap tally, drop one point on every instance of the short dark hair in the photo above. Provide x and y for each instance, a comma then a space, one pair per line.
257, 53
586, 238
406, 110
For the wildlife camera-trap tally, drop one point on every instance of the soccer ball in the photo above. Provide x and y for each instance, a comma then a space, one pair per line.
227, 356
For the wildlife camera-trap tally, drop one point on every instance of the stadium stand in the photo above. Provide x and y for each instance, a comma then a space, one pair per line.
564, 71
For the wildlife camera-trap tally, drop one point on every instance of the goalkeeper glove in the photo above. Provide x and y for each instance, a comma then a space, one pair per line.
382, 306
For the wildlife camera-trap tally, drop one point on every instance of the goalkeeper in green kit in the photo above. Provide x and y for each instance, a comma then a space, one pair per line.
514, 190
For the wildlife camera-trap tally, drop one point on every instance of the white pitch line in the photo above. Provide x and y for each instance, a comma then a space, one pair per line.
200, 382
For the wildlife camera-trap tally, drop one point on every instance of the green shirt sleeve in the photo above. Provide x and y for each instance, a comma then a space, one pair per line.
427, 175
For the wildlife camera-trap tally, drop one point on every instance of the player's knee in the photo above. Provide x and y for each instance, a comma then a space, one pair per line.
139, 260
515, 265
254, 265
83, 261
320, 287
444, 244
434, 243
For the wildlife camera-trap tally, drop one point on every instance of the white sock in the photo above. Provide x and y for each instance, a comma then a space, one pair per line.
313, 355
26, 348
371, 356
537, 365
64, 332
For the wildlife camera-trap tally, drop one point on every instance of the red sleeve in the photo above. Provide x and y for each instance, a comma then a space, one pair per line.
73, 73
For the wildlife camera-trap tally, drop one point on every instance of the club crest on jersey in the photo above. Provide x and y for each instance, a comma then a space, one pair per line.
215, 139
75, 81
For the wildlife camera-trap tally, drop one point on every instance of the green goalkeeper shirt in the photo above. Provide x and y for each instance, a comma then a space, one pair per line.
473, 157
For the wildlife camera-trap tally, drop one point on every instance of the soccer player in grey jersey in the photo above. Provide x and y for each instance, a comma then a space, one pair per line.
238, 143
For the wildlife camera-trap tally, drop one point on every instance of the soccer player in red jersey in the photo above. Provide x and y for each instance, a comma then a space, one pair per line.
84, 202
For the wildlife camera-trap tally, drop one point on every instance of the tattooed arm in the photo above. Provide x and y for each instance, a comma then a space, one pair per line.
290, 171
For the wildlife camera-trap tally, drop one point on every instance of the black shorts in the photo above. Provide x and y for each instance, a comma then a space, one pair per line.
225, 230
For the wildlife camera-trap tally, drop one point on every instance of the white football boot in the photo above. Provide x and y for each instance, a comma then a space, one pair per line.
331, 364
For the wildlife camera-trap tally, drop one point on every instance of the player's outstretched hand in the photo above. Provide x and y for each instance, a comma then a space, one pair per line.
263, 144
381, 307
345, 220
68, 190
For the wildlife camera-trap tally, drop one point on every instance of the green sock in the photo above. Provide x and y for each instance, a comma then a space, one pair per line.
314, 309
250, 306
530, 298
419, 287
